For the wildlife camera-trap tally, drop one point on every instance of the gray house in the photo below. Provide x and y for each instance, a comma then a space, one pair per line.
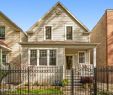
58, 39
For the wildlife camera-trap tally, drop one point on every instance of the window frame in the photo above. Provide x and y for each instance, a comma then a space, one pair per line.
6, 58
66, 32
84, 56
48, 49
4, 32
45, 32
30, 57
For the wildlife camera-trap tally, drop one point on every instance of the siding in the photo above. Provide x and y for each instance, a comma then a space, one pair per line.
58, 24
12, 39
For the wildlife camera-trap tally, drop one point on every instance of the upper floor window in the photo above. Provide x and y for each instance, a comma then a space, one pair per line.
48, 30
2, 32
81, 57
69, 30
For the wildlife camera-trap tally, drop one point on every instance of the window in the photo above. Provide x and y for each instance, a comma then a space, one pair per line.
4, 58
52, 57
42, 57
2, 32
81, 57
69, 31
33, 57
48, 30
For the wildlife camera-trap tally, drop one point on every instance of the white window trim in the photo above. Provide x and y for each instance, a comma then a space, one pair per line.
72, 32
85, 57
47, 57
51, 32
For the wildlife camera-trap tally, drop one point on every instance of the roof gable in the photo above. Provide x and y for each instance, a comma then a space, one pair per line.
65, 9
10, 21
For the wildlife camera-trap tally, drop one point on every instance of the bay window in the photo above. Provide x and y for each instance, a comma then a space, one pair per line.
33, 57
43, 57
52, 57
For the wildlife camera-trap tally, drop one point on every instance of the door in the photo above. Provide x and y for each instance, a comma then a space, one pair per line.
69, 62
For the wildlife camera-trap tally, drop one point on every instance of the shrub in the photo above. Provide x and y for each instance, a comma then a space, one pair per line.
36, 83
104, 93
65, 82
86, 80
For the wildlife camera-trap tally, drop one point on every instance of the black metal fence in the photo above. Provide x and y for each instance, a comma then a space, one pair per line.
56, 81
104, 80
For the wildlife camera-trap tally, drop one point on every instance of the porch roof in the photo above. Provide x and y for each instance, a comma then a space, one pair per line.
67, 44
4, 46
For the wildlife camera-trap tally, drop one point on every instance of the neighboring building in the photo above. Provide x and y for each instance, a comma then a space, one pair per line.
103, 33
10, 36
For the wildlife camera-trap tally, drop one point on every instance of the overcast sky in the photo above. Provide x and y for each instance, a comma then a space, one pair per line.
26, 12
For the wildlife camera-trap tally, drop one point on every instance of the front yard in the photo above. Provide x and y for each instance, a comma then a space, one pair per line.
50, 91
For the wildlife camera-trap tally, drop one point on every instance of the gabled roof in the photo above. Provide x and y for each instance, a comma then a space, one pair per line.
62, 6
10, 21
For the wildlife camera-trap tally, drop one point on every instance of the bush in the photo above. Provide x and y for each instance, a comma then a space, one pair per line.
86, 80
61, 83
36, 83
104, 93
65, 82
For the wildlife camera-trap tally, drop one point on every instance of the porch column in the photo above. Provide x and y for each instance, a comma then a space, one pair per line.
94, 57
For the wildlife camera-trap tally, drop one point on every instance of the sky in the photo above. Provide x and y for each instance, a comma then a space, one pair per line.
26, 12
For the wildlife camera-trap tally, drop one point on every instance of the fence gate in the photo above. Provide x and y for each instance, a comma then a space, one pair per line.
47, 81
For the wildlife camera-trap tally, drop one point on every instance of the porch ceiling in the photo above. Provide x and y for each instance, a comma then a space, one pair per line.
64, 44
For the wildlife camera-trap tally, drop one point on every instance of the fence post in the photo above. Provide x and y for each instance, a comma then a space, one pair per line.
72, 82
107, 76
28, 81
95, 81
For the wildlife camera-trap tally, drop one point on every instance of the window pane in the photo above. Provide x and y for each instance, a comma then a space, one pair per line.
48, 32
43, 57
81, 57
2, 32
4, 59
33, 57
52, 57
69, 32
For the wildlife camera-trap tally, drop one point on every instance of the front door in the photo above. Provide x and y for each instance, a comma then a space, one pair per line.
69, 62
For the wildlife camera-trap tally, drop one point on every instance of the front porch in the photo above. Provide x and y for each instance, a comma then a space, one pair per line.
79, 60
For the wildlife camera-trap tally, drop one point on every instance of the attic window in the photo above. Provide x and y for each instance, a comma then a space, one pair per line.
48, 30
69, 30
2, 32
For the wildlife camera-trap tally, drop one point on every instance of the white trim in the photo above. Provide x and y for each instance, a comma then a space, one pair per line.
51, 32
85, 57
66, 31
47, 56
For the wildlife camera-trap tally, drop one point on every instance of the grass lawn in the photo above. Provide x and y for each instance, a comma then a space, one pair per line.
39, 91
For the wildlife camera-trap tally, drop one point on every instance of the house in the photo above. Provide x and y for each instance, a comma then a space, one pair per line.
10, 36
58, 39
103, 33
